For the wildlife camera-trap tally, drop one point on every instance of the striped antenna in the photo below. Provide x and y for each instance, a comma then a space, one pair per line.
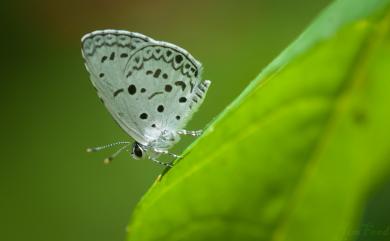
99, 148
109, 159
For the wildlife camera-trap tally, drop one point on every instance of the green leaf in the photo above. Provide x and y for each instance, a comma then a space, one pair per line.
296, 155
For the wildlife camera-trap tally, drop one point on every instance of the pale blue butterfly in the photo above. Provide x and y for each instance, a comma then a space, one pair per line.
151, 88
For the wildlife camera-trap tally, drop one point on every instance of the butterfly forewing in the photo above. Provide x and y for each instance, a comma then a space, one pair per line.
106, 55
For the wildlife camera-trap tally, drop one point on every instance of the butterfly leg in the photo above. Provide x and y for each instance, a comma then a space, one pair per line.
166, 152
190, 133
160, 162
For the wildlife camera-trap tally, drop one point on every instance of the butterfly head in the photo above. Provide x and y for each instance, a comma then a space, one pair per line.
138, 151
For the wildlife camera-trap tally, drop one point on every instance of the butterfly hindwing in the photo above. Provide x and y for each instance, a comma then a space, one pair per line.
166, 86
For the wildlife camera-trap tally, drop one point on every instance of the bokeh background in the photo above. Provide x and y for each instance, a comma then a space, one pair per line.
50, 188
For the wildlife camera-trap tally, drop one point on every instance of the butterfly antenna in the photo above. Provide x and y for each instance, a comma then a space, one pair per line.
99, 148
109, 159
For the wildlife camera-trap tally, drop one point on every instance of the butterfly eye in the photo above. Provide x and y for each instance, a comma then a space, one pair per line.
137, 152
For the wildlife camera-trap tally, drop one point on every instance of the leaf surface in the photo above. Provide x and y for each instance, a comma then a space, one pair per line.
296, 155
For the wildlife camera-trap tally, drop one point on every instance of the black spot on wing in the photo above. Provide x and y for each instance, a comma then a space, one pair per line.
117, 92
160, 108
112, 56
132, 89
157, 73
124, 55
168, 88
192, 86
178, 58
181, 84
154, 94
202, 87
143, 116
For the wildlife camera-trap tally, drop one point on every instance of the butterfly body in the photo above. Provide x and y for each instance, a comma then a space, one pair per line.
151, 88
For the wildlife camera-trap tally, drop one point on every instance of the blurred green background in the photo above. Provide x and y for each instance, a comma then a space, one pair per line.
50, 188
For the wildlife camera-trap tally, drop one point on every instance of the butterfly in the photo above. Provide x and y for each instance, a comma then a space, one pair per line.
151, 88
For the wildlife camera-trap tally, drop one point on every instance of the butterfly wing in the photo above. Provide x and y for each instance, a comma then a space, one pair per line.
148, 86
106, 54
165, 84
